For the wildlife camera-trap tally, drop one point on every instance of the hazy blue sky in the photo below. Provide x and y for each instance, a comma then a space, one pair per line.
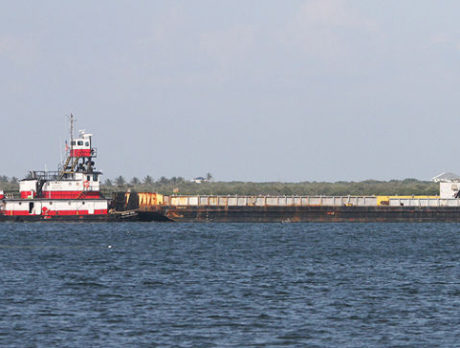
247, 90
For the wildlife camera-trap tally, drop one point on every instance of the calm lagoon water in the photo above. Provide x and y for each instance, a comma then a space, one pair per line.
225, 285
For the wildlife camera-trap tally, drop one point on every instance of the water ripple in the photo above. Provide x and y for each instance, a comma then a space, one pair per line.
207, 285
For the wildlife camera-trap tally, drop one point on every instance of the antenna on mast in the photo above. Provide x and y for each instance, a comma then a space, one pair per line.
71, 158
71, 131
71, 161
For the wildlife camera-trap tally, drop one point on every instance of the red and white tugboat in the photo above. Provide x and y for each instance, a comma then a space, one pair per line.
71, 193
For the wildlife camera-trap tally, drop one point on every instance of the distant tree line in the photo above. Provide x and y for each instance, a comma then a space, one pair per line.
179, 185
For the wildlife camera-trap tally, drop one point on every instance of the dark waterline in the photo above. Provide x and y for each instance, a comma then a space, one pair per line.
229, 285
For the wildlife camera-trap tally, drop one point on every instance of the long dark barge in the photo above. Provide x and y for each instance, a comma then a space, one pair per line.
288, 209
312, 214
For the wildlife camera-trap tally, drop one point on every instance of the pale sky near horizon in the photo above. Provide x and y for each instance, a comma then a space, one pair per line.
260, 90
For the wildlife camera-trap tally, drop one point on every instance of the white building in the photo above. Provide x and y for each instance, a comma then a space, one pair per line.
199, 180
449, 185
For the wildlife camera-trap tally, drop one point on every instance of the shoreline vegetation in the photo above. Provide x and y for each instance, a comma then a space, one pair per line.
178, 185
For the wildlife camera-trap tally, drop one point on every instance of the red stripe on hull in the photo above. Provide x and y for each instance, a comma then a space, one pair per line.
100, 211
71, 194
55, 213
65, 212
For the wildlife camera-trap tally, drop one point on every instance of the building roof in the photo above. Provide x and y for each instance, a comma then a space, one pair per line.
447, 177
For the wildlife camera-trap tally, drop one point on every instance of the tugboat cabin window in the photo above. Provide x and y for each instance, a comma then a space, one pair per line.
80, 142
87, 143
94, 177
73, 142
31, 207
88, 177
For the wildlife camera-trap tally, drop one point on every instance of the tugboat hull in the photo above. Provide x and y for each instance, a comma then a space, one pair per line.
124, 216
